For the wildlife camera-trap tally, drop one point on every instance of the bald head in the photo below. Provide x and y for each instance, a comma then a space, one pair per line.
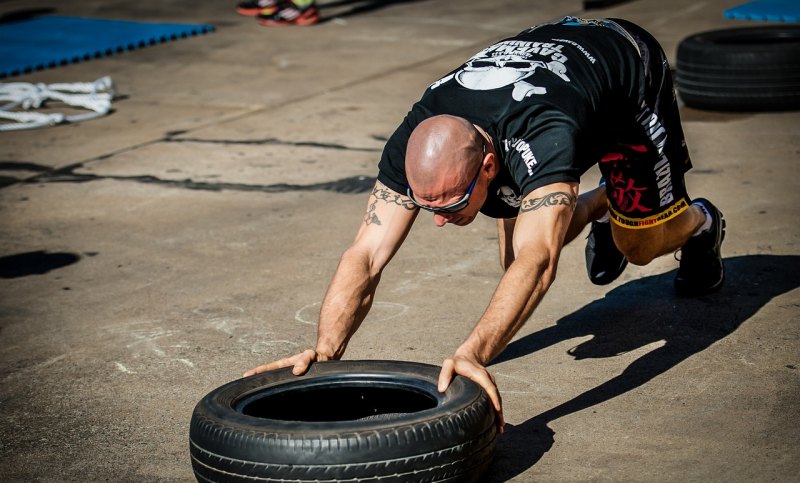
442, 156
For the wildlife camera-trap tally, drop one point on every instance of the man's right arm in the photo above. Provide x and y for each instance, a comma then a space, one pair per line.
350, 294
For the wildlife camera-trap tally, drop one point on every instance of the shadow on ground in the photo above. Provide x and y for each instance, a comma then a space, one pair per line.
34, 263
25, 14
634, 315
349, 8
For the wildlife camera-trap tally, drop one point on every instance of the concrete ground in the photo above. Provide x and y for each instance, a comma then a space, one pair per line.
157, 253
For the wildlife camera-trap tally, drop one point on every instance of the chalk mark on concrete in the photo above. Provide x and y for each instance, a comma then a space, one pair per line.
148, 338
41, 365
123, 369
266, 347
186, 362
380, 311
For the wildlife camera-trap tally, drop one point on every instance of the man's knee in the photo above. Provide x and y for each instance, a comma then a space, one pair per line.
640, 247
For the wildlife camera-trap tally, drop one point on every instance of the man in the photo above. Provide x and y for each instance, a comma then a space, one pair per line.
508, 134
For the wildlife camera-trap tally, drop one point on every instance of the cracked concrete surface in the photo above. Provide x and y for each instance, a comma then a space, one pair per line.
157, 253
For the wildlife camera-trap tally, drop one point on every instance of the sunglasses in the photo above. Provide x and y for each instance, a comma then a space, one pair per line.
453, 207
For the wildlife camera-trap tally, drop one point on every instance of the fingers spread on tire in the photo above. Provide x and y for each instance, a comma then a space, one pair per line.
299, 363
446, 375
477, 373
303, 361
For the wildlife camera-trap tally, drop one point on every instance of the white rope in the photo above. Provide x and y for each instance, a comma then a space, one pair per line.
95, 96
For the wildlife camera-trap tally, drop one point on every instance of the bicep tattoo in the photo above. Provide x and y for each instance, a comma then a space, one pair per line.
559, 198
380, 193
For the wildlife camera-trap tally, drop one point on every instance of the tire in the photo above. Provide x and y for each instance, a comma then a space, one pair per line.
343, 421
741, 69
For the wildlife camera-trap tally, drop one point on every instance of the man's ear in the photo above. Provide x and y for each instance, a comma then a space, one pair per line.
492, 165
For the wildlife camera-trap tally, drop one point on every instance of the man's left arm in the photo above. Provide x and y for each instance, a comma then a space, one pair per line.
541, 227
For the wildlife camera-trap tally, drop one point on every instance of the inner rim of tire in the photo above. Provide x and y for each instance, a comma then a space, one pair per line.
340, 400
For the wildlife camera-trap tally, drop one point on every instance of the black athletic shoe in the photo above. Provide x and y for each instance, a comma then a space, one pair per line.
701, 271
604, 261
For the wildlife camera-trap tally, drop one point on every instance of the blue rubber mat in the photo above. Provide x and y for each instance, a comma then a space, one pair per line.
51, 41
766, 10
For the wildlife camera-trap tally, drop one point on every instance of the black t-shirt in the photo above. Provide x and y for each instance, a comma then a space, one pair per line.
549, 97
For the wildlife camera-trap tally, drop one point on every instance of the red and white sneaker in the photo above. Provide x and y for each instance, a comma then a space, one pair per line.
289, 14
251, 8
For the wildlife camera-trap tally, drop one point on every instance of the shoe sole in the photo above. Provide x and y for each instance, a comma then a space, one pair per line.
249, 12
268, 23
299, 22
605, 280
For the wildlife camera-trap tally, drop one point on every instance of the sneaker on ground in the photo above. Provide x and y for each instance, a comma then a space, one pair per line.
604, 261
289, 14
701, 270
251, 8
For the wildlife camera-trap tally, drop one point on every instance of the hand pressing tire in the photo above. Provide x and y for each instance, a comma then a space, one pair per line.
344, 420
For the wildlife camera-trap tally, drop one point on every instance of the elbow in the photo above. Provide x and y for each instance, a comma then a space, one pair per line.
357, 260
543, 266
549, 271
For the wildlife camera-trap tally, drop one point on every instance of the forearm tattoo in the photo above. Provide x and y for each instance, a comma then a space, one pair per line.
387, 196
558, 198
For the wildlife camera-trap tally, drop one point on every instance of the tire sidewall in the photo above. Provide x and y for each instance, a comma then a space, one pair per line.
741, 69
717, 46
271, 441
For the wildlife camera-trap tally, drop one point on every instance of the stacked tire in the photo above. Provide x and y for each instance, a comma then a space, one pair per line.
359, 421
741, 69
